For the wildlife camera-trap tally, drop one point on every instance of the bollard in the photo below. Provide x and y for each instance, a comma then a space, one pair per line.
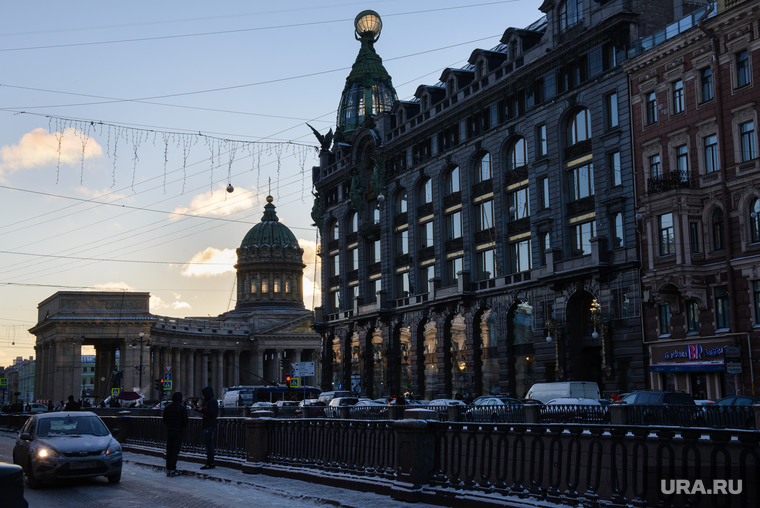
531, 413
453, 411
619, 414
756, 407
256, 443
345, 412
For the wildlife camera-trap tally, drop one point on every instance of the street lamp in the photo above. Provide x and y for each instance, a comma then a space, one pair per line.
598, 322
140, 368
554, 335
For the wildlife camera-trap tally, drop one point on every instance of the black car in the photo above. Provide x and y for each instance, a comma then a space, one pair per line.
658, 407
491, 408
734, 411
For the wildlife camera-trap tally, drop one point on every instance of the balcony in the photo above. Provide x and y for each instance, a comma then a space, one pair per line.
402, 260
334, 280
353, 275
333, 245
455, 244
452, 199
669, 181
425, 210
483, 187
578, 149
400, 219
516, 175
583, 205
374, 268
352, 238
426, 253
370, 232
518, 226
487, 235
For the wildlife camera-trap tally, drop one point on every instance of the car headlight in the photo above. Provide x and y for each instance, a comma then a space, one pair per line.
115, 447
46, 453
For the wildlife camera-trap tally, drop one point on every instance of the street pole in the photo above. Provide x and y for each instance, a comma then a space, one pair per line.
140, 367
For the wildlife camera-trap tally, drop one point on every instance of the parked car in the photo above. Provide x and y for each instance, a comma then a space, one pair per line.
658, 407
368, 409
263, 404
574, 410
494, 409
12, 486
315, 408
285, 408
333, 408
67, 445
36, 407
548, 391
326, 397
733, 411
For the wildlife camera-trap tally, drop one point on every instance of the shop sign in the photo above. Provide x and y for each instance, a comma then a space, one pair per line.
732, 352
733, 368
694, 352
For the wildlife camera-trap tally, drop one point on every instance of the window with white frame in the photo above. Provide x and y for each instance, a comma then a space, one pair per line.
692, 316
543, 189
453, 225
706, 83
616, 169
353, 259
402, 285
678, 97
570, 12
664, 318
484, 215
401, 204
711, 153
717, 230
517, 154
579, 127
426, 192
486, 264
482, 169
655, 171
682, 162
580, 238
617, 233
453, 267
542, 144
426, 234
754, 220
519, 204
722, 316
666, 234
651, 107
611, 110
519, 256
747, 139
742, 69
426, 273
581, 182
452, 181
402, 242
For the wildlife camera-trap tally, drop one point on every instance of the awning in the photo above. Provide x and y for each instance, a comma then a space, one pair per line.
128, 396
688, 367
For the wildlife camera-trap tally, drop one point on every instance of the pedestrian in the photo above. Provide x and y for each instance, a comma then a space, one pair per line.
175, 419
50, 405
209, 411
72, 405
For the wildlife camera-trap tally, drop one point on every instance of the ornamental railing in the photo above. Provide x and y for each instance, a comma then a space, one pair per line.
669, 181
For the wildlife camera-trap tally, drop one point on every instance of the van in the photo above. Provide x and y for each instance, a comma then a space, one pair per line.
326, 397
545, 392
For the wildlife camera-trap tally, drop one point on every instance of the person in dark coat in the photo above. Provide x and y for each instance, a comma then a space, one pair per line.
72, 405
209, 411
175, 419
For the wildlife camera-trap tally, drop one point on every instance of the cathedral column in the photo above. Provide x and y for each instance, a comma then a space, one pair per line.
191, 374
176, 369
204, 371
38, 352
219, 380
235, 381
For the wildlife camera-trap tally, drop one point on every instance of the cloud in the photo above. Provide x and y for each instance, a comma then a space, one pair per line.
218, 203
217, 262
111, 286
157, 303
103, 195
312, 296
40, 148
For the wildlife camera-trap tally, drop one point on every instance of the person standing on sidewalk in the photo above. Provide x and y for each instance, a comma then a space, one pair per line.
175, 419
209, 411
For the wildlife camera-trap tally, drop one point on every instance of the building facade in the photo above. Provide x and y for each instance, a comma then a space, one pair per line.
133, 347
482, 236
20, 377
694, 97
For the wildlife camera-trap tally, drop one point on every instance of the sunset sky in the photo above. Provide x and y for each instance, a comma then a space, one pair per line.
121, 125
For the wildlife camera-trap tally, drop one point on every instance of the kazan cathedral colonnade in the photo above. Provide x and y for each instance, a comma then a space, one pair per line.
244, 346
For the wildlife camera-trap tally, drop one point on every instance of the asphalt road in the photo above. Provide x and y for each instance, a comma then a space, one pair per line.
144, 484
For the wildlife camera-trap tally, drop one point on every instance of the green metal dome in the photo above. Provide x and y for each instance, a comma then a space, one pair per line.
369, 90
269, 231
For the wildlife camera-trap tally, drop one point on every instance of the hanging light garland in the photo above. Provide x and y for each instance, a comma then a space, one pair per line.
217, 147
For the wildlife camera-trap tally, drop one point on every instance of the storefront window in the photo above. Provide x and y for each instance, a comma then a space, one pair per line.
489, 355
431, 365
459, 373
405, 351
699, 385
378, 361
337, 364
522, 330
357, 366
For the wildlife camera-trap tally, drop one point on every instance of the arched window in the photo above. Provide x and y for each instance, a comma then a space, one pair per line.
452, 181
570, 12
754, 220
401, 202
353, 222
579, 127
517, 154
425, 194
717, 228
334, 230
482, 169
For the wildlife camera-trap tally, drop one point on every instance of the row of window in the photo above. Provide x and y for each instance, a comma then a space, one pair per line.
262, 286
722, 314
666, 230
741, 78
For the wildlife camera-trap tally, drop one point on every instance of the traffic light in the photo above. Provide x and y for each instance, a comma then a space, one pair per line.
159, 385
116, 379
282, 363
287, 378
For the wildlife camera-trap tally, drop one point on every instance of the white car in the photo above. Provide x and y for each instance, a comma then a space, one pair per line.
36, 407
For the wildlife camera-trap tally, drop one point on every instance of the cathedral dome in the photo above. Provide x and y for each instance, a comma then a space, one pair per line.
269, 231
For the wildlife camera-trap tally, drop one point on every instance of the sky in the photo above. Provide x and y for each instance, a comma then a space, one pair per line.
122, 124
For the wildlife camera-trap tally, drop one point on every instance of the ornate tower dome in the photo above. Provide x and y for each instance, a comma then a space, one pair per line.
369, 90
270, 265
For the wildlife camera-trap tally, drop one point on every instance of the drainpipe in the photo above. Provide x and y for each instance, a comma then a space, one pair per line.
724, 173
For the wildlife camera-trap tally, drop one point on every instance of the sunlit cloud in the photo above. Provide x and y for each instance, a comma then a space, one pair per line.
101, 195
111, 286
312, 292
40, 148
219, 203
181, 305
216, 262
157, 304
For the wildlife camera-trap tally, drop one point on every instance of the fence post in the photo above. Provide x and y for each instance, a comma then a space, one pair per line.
414, 459
531, 413
256, 443
756, 408
453, 412
618, 414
